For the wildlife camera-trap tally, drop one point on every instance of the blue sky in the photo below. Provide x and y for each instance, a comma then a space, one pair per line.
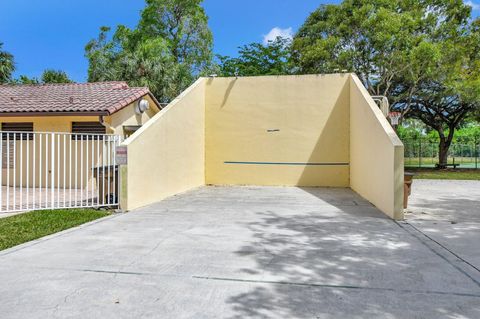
52, 33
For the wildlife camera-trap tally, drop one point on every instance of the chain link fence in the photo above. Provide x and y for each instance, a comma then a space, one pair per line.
423, 152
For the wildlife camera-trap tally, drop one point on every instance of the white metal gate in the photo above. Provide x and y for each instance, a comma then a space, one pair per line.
57, 170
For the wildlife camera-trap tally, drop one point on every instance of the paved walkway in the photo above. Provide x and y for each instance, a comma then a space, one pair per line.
240, 252
449, 213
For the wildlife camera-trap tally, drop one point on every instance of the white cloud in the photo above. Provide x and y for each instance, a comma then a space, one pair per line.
277, 32
475, 6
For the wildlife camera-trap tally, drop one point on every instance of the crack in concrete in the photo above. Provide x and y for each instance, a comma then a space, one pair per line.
154, 248
114, 272
299, 284
65, 300
444, 247
427, 242
314, 285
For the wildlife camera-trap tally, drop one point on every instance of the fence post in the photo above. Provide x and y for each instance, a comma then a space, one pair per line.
52, 174
1, 171
420, 153
475, 151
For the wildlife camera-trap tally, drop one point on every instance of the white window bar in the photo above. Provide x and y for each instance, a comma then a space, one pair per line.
86, 171
64, 204
114, 170
8, 172
14, 151
81, 171
21, 171
76, 171
40, 169
108, 171
34, 183
1, 171
27, 184
58, 170
103, 169
98, 171
90, 171
70, 172
46, 170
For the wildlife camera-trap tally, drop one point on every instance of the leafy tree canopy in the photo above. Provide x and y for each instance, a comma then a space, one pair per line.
255, 59
7, 65
23, 79
55, 76
468, 132
169, 48
48, 76
422, 54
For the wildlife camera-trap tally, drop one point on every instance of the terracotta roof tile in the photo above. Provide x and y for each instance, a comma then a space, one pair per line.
100, 97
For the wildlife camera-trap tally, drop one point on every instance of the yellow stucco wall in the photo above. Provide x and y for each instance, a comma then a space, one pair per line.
263, 131
278, 130
376, 154
127, 116
50, 123
167, 155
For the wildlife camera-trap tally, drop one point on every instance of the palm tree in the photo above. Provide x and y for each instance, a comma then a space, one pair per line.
7, 65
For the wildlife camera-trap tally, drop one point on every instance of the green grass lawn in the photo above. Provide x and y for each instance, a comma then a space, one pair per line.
431, 173
21, 228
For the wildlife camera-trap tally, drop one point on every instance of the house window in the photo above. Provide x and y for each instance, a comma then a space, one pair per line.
130, 129
7, 154
79, 128
17, 127
10, 139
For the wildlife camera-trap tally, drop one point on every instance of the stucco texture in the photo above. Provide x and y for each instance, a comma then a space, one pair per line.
308, 130
376, 154
128, 116
286, 130
167, 155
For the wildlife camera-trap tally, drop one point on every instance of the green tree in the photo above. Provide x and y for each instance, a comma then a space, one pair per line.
7, 65
55, 76
450, 92
48, 76
183, 24
411, 129
422, 54
255, 59
170, 47
468, 133
23, 79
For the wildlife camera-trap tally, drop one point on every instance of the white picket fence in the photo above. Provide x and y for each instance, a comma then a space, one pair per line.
57, 170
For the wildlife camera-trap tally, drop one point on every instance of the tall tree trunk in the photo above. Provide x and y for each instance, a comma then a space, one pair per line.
442, 153
444, 146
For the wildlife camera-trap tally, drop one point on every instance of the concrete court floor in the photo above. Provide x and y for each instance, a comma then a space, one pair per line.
241, 252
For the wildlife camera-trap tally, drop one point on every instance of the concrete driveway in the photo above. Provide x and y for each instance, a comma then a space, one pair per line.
448, 213
241, 252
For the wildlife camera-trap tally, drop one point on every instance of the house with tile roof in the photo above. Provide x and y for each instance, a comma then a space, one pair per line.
104, 107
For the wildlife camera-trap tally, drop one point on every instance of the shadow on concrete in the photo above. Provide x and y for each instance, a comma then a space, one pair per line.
451, 208
342, 259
